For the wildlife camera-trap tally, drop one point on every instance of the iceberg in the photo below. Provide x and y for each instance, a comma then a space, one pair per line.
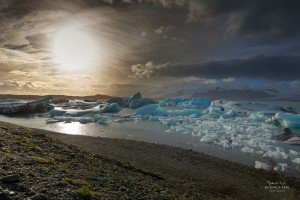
99, 119
109, 108
289, 120
151, 109
69, 119
56, 112
293, 141
153, 118
15, 106
257, 117
247, 149
209, 138
137, 103
136, 96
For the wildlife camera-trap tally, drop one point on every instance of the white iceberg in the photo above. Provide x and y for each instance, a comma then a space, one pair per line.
209, 138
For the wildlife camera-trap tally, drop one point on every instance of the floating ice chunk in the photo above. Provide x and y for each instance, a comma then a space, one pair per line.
289, 120
136, 96
209, 138
153, 118
69, 119
121, 120
214, 112
280, 167
137, 103
247, 149
168, 121
56, 112
296, 160
230, 113
294, 153
152, 109
110, 108
226, 143
254, 142
293, 141
257, 117
52, 121
168, 131
261, 165
279, 153
99, 119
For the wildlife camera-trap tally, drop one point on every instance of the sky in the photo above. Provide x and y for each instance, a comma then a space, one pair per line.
159, 47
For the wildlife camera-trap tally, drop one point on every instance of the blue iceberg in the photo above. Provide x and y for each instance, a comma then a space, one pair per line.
289, 120
151, 109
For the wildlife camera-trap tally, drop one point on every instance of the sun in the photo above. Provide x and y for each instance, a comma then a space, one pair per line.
73, 49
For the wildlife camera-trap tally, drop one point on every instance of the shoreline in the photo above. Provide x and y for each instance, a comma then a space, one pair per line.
181, 171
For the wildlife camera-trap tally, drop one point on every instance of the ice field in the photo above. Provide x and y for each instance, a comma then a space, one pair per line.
246, 127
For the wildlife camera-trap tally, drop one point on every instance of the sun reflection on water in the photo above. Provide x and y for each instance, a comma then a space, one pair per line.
74, 128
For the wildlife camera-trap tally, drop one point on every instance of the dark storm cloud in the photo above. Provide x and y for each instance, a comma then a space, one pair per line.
258, 67
163, 31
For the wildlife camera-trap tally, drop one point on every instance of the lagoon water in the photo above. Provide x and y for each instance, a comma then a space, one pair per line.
155, 132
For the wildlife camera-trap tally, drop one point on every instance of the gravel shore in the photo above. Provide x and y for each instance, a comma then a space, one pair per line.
37, 164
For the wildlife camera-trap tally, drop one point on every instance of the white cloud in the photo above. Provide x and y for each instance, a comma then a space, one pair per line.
146, 70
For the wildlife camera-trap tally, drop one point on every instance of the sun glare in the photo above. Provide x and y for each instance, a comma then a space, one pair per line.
73, 49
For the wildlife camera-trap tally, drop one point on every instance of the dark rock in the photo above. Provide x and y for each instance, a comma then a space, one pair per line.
4, 128
287, 134
11, 178
137, 95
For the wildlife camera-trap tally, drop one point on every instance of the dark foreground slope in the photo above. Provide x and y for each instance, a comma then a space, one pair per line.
35, 164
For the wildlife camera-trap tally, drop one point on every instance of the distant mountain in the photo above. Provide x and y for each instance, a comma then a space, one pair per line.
247, 94
91, 97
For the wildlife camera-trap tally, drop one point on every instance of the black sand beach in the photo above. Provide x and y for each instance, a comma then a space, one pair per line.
40, 164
